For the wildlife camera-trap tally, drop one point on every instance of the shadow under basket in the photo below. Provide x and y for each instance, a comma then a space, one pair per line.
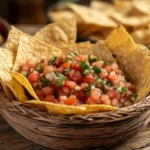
99, 130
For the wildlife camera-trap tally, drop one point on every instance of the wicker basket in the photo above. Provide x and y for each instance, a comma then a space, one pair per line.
98, 130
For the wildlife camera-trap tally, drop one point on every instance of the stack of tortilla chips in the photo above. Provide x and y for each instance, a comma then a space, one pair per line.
100, 18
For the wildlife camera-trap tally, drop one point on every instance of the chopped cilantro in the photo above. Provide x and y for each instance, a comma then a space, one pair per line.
121, 89
98, 58
96, 70
106, 63
45, 81
52, 60
101, 81
87, 71
87, 93
59, 80
71, 92
38, 68
84, 65
66, 60
91, 60
133, 96
110, 83
87, 90
37, 87
66, 70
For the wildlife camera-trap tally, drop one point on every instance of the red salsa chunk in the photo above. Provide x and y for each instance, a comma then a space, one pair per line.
79, 79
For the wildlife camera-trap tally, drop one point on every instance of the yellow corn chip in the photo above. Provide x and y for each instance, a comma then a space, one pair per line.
59, 33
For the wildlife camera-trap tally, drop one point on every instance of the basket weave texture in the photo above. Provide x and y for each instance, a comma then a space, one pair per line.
99, 130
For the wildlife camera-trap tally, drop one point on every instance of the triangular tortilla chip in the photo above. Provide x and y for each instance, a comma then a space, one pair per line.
100, 49
24, 81
7, 58
30, 48
91, 16
81, 48
13, 40
134, 60
13, 85
59, 33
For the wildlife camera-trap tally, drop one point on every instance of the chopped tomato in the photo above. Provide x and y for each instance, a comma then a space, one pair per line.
44, 62
47, 90
70, 84
50, 98
70, 101
103, 74
66, 65
80, 57
113, 94
98, 64
81, 96
105, 99
112, 76
84, 85
40, 94
95, 94
31, 63
75, 76
89, 79
114, 102
65, 90
58, 62
130, 86
75, 65
25, 67
33, 77
60, 69
48, 69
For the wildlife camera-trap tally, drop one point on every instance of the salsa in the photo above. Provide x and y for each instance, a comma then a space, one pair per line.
79, 79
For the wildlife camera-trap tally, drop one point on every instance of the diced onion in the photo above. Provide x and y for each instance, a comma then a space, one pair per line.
77, 88
63, 97
50, 76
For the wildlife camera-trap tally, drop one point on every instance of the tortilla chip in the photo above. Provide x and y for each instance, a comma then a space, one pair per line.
13, 40
134, 60
7, 90
59, 33
14, 85
131, 20
81, 48
23, 81
68, 110
96, 36
7, 58
101, 49
141, 36
60, 14
102, 6
91, 16
30, 48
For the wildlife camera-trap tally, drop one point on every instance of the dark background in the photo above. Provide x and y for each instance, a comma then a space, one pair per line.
30, 11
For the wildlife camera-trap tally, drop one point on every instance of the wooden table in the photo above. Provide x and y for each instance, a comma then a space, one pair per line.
11, 140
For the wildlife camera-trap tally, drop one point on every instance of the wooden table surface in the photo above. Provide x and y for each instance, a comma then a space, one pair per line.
11, 140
